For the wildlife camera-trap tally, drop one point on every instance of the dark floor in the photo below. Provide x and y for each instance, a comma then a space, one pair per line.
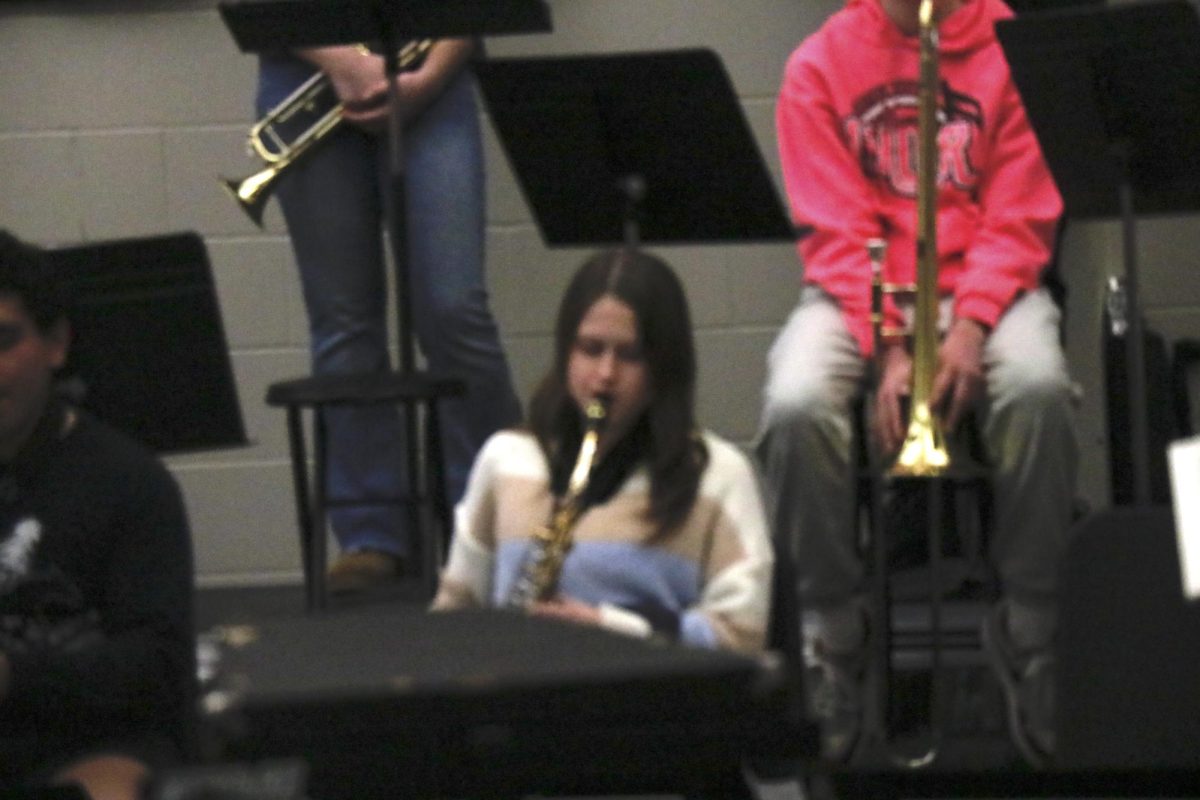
238, 605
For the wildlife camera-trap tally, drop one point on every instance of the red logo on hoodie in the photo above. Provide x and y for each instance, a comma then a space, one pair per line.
882, 130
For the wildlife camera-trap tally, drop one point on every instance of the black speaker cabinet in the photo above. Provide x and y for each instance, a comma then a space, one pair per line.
1129, 646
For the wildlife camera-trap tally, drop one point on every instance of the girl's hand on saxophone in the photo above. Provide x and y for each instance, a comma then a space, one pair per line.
959, 382
566, 608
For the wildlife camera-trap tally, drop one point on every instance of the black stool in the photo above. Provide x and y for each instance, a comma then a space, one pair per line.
908, 605
426, 495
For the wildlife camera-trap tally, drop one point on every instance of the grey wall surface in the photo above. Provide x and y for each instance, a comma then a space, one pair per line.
117, 117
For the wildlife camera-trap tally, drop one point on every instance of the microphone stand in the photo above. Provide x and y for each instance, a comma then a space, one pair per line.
398, 207
396, 219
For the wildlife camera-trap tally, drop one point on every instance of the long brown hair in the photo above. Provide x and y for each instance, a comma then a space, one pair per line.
674, 453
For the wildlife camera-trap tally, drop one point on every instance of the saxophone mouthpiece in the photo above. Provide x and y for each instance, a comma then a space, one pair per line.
596, 412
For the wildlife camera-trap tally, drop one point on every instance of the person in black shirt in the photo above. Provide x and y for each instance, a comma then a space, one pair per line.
96, 639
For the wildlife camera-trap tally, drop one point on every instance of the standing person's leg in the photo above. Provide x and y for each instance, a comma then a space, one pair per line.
1030, 434
454, 323
815, 372
333, 212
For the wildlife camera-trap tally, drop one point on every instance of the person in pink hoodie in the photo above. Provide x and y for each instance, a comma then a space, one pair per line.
847, 128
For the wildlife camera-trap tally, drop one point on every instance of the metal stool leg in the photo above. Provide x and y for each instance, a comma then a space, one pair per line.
437, 531
302, 497
936, 516
969, 524
875, 722
300, 484
319, 525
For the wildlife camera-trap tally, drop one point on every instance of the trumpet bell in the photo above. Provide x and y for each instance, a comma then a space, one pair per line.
253, 192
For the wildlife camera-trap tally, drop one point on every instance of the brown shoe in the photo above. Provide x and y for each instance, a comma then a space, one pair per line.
362, 569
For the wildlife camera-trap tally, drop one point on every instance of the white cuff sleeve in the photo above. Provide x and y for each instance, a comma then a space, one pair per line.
619, 620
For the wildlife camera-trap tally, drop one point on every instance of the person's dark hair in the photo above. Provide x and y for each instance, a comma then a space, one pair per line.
675, 454
27, 274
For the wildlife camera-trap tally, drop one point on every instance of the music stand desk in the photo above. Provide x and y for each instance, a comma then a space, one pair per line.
1111, 94
576, 129
265, 25
1108, 84
149, 352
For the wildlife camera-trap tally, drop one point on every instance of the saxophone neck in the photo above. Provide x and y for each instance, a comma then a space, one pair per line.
595, 415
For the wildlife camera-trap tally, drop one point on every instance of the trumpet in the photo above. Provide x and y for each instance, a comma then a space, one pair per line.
292, 128
552, 542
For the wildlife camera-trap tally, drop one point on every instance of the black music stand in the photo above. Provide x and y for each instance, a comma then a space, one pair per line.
266, 25
1111, 95
647, 147
148, 352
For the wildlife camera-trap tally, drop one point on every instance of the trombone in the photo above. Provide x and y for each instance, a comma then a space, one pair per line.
924, 452
288, 131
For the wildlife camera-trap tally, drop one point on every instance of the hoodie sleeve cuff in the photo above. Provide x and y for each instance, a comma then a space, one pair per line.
986, 310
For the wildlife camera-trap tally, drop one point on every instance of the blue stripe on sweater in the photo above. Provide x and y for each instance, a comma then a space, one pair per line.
652, 582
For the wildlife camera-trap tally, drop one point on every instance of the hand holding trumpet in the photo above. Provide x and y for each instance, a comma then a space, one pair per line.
351, 87
359, 79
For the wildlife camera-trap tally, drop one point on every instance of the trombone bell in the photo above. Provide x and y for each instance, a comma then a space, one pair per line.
923, 454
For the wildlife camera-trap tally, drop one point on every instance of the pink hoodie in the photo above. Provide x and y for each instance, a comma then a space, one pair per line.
847, 135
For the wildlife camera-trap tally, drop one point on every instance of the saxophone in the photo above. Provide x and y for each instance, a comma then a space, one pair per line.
538, 580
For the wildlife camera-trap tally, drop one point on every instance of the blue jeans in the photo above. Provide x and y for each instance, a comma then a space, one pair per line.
335, 203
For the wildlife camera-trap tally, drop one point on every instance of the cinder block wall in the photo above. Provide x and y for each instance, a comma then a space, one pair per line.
117, 116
